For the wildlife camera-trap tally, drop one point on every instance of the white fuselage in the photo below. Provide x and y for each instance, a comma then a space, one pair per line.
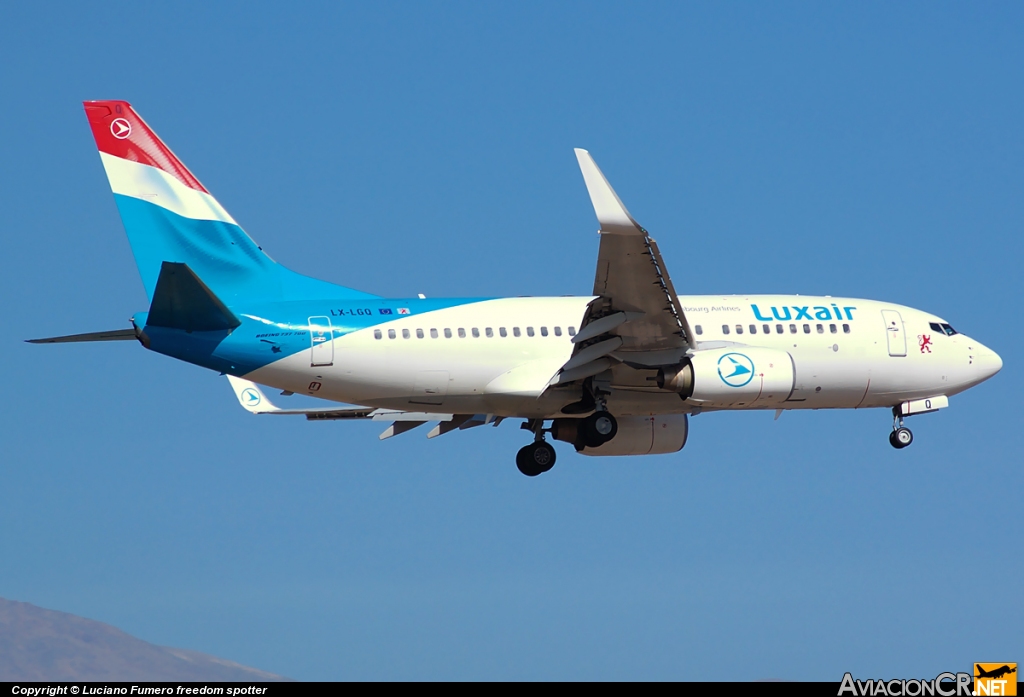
498, 356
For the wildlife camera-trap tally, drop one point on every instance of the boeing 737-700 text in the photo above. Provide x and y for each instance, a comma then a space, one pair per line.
614, 373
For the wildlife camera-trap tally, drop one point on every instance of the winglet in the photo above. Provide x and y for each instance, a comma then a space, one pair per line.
251, 397
611, 213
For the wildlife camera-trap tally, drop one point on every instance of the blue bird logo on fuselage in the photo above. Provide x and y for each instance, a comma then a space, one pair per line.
735, 369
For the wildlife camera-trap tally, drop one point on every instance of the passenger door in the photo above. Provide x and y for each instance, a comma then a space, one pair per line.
321, 341
894, 333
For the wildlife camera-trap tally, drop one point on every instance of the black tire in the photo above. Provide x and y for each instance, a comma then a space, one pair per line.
903, 436
544, 455
893, 442
535, 458
599, 428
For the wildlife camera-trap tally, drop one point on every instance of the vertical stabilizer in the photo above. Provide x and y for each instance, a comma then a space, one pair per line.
171, 217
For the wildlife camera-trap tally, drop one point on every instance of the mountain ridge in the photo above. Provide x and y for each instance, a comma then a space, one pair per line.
37, 644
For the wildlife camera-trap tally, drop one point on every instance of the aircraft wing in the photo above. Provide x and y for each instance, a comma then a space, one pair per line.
636, 317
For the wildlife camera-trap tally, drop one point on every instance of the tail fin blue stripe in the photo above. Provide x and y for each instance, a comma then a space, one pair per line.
219, 253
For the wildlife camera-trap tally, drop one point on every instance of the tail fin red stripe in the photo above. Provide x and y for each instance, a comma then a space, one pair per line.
120, 132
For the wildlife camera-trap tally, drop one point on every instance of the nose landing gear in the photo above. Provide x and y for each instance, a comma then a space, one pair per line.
901, 436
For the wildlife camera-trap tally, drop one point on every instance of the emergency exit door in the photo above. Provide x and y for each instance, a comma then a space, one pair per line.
321, 337
894, 334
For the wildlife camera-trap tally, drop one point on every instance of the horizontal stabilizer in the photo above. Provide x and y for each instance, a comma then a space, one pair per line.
182, 301
255, 401
113, 335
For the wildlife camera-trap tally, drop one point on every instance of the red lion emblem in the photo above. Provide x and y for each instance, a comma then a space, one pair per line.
925, 342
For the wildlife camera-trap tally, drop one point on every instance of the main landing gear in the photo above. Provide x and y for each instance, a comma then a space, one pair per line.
539, 457
536, 458
598, 428
901, 436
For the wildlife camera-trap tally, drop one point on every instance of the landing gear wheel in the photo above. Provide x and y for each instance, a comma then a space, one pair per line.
901, 438
599, 428
536, 458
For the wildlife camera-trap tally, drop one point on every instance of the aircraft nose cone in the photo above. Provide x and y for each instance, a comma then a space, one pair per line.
988, 362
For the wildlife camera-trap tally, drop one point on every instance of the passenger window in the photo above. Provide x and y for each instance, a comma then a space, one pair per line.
833, 328
433, 333
543, 331
391, 333
767, 329
739, 328
572, 331
489, 332
698, 330
725, 328
462, 333
753, 329
502, 331
419, 333
807, 329
377, 334
529, 331
778, 329
821, 329
476, 333
405, 333
447, 333
792, 329
558, 331
516, 332
846, 329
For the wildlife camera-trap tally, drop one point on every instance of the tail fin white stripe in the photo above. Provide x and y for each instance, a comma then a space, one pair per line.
150, 184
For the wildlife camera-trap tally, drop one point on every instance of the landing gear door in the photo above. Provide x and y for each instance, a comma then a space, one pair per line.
894, 333
321, 341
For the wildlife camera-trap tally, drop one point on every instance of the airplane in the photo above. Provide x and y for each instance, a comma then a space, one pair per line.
995, 673
617, 372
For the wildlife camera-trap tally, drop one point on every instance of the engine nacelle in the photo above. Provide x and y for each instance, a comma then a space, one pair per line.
637, 435
733, 377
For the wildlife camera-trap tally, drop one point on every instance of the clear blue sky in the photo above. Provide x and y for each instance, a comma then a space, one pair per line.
871, 150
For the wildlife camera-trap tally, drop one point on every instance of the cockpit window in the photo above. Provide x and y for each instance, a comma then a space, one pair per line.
942, 328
